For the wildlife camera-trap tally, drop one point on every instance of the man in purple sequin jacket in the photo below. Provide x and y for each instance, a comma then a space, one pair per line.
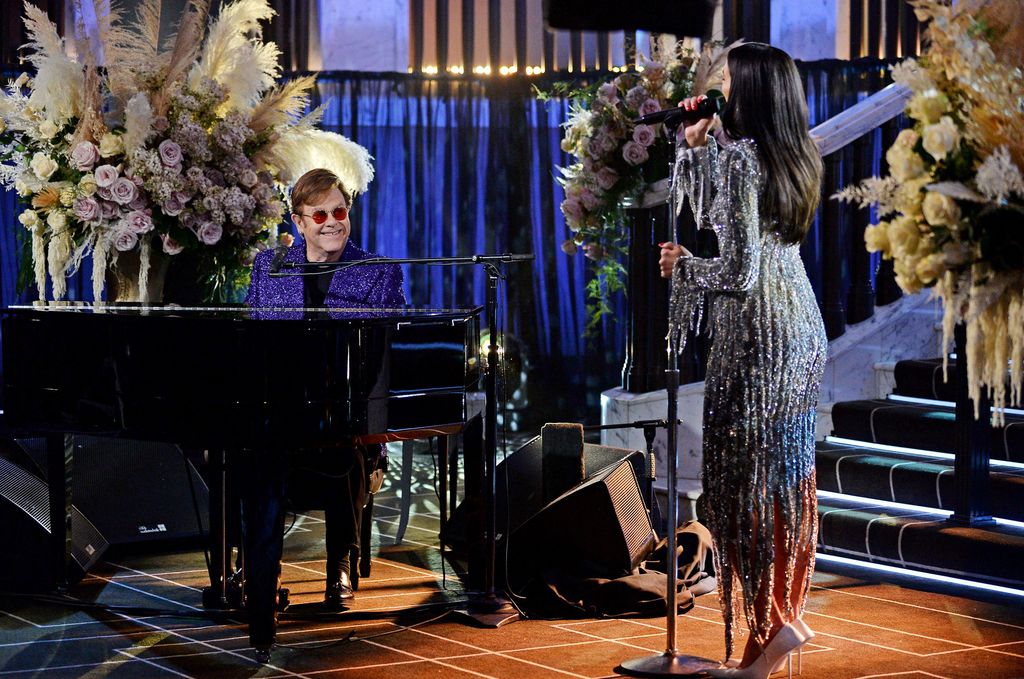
337, 481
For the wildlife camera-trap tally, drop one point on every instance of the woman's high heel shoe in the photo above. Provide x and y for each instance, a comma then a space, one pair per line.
788, 639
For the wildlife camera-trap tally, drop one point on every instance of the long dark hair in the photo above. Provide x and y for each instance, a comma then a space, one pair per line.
766, 104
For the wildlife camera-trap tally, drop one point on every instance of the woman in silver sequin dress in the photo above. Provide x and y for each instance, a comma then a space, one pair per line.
757, 185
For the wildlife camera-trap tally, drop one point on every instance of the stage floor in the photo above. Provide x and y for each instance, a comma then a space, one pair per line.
399, 625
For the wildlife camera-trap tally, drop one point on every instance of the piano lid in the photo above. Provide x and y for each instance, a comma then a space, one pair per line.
240, 312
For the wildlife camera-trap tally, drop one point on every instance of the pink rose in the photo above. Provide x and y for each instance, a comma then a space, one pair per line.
139, 221
649, 106
608, 92
173, 207
171, 246
210, 232
569, 247
593, 251
636, 96
104, 193
126, 240
109, 210
87, 209
588, 199
634, 153
606, 178
123, 191
170, 153
643, 135
160, 123
106, 175
85, 155
139, 203
573, 211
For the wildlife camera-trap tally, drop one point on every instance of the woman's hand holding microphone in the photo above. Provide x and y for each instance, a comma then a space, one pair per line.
696, 133
670, 252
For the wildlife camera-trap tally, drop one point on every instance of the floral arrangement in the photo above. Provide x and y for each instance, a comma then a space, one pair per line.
616, 158
953, 202
173, 146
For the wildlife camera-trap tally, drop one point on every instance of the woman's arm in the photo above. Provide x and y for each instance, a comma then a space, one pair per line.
735, 268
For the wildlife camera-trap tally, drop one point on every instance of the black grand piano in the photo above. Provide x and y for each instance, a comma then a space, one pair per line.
231, 379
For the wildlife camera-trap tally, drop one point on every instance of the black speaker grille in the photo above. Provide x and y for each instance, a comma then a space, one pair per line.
25, 490
631, 511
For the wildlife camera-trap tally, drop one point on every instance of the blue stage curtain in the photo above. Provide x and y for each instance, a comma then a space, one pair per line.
467, 166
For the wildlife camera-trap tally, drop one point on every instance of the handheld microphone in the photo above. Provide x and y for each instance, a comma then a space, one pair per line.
278, 260
672, 117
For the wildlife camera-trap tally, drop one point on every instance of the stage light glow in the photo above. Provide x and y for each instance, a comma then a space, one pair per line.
1001, 464
918, 575
873, 502
943, 404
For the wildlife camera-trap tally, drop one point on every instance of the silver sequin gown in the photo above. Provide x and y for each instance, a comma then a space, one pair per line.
764, 370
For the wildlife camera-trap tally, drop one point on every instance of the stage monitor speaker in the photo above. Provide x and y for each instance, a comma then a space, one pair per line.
25, 517
520, 486
682, 18
134, 491
600, 528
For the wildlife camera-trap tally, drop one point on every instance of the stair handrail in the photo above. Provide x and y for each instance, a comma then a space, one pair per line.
838, 131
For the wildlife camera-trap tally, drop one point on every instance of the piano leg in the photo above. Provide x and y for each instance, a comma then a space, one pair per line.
216, 595
262, 489
60, 449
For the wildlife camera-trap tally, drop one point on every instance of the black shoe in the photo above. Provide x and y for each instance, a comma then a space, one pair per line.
339, 592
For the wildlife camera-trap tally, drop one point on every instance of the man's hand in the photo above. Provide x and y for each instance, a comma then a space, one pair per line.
670, 252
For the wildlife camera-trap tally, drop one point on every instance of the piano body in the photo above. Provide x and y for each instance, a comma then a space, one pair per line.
231, 379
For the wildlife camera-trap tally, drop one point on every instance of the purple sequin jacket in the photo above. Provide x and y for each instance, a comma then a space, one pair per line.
374, 286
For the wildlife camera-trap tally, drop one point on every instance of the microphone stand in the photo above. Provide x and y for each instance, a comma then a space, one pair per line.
488, 608
670, 662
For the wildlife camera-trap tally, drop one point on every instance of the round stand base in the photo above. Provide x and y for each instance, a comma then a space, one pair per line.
666, 664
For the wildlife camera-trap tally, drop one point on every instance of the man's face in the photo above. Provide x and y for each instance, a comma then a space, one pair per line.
324, 241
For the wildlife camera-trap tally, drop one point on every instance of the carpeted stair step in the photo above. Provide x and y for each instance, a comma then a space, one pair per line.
921, 540
922, 378
910, 479
919, 426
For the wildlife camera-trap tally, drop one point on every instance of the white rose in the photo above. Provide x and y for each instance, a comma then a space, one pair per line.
940, 209
43, 166
876, 238
111, 145
47, 129
29, 219
22, 187
939, 139
904, 163
57, 219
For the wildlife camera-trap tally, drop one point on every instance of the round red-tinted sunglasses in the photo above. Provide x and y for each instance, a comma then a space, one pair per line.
320, 216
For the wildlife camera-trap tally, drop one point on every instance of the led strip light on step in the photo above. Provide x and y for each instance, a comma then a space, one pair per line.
917, 575
872, 502
998, 464
943, 404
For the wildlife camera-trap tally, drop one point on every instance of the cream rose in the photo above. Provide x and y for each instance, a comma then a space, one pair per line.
57, 219
906, 275
904, 163
930, 268
43, 166
907, 138
939, 139
29, 219
47, 129
22, 187
928, 106
111, 145
876, 238
908, 196
940, 209
903, 236
87, 184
